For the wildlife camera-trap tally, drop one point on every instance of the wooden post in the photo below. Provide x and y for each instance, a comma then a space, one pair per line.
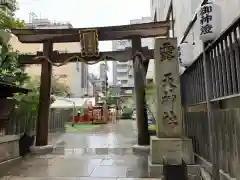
44, 99
214, 153
139, 84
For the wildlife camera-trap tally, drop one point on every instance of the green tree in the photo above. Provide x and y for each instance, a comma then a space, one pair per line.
150, 89
9, 22
151, 99
59, 88
7, 19
109, 99
31, 100
10, 69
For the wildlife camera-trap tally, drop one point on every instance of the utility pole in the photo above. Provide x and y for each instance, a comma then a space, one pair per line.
106, 77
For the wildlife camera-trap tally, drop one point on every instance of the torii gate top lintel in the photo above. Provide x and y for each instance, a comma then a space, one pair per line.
107, 33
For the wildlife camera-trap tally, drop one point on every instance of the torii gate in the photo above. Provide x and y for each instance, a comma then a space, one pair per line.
89, 37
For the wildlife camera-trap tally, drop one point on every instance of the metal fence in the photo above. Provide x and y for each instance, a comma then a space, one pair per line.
25, 121
221, 72
225, 131
222, 66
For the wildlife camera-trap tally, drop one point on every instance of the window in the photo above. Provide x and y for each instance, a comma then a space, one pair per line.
122, 66
124, 81
122, 74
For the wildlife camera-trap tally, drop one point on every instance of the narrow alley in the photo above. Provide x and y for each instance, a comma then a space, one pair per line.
95, 154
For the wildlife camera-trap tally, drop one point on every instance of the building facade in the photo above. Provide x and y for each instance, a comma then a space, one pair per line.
210, 86
102, 71
76, 73
183, 13
123, 71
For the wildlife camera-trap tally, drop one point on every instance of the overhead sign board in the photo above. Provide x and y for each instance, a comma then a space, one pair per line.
89, 43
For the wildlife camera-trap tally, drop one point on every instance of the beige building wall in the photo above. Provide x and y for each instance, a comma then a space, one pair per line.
69, 69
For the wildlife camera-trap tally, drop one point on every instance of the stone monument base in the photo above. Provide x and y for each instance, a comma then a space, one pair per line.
156, 170
138, 148
171, 151
238, 172
37, 150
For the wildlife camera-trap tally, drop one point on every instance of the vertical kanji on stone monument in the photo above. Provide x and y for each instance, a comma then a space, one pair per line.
169, 116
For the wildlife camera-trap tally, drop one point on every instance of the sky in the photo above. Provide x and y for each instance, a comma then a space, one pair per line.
87, 13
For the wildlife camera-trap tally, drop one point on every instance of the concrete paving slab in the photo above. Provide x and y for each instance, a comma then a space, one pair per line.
104, 153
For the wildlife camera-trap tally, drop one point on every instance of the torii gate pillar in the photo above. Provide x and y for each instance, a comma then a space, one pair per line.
44, 102
139, 86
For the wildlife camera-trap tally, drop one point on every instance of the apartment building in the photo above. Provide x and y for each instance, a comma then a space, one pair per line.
123, 71
77, 73
183, 13
97, 83
47, 24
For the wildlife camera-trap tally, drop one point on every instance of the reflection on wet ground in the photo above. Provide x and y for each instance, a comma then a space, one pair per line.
104, 153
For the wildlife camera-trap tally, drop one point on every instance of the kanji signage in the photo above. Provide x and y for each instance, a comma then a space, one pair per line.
170, 117
168, 87
167, 52
89, 43
209, 19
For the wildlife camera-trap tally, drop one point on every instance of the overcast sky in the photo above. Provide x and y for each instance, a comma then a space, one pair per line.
87, 13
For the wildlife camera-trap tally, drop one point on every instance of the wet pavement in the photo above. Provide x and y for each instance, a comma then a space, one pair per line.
102, 153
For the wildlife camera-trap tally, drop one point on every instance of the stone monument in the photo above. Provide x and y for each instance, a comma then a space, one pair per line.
169, 146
